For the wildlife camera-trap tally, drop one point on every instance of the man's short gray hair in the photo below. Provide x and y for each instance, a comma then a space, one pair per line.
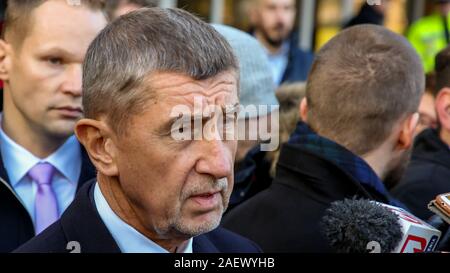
143, 42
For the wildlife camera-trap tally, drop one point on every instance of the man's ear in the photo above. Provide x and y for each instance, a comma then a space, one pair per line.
407, 129
96, 137
304, 110
5, 60
443, 108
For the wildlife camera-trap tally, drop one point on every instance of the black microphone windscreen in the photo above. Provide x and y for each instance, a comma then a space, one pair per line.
350, 225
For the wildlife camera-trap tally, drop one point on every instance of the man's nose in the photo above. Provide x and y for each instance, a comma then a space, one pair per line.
73, 80
216, 161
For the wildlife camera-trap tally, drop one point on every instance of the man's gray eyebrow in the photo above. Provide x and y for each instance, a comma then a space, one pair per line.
226, 109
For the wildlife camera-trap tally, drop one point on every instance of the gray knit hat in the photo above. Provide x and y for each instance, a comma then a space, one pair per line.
257, 86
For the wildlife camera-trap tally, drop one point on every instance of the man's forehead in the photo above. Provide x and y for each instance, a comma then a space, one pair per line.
47, 19
179, 88
49, 30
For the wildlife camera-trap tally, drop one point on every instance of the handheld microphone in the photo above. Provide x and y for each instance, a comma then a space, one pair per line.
364, 226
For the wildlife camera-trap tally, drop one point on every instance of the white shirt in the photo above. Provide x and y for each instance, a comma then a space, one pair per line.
127, 238
18, 162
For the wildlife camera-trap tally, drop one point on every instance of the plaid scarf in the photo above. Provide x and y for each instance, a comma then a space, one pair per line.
346, 160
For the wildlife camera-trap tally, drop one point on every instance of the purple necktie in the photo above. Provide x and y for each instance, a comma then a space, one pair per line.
46, 206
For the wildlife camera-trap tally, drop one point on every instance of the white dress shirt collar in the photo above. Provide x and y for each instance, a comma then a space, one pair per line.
128, 238
20, 161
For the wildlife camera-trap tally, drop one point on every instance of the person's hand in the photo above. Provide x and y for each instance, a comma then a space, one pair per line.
438, 223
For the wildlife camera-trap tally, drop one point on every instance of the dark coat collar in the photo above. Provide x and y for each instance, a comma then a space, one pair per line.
82, 223
319, 177
429, 147
202, 244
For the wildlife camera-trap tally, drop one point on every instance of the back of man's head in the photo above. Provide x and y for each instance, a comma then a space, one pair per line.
363, 81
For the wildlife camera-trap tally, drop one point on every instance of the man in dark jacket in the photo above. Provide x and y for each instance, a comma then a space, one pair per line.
429, 172
161, 186
42, 164
359, 129
273, 25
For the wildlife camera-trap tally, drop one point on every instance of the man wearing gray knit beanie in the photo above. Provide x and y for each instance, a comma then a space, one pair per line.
258, 118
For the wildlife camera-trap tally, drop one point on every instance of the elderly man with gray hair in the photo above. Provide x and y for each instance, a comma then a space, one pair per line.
154, 193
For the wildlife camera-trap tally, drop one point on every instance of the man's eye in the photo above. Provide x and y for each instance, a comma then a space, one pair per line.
55, 61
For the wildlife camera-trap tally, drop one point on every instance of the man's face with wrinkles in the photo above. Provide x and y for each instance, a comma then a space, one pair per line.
180, 186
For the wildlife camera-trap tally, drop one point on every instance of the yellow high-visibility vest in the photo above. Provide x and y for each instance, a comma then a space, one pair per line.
427, 35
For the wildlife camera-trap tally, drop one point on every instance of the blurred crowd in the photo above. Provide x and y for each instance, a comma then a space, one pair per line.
365, 117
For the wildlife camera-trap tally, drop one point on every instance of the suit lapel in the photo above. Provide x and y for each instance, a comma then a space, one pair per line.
3, 173
202, 244
82, 223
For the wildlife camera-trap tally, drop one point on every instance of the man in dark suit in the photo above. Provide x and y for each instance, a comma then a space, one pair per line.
158, 84
41, 162
359, 115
